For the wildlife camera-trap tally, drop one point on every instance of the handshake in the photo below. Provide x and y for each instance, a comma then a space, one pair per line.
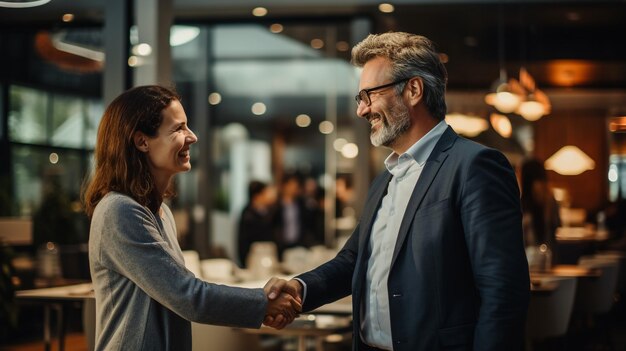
284, 302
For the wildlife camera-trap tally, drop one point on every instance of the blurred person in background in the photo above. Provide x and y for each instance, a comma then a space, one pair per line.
290, 227
540, 209
145, 297
257, 218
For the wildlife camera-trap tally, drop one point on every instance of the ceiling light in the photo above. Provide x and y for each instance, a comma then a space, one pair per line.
68, 17
276, 28
23, 4
258, 108
501, 124
569, 160
536, 103
142, 49
135, 61
342, 46
53, 158
503, 99
259, 11
350, 150
215, 98
303, 120
317, 43
339, 143
386, 8
326, 127
469, 126
531, 110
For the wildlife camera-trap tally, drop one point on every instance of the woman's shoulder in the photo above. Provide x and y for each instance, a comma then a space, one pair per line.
117, 204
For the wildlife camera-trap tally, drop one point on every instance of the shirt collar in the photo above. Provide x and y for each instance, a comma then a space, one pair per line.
420, 151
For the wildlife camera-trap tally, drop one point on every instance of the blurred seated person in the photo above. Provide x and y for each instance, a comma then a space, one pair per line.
539, 207
256, 222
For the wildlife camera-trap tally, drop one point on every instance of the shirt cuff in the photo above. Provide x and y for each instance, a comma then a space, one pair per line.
303, 289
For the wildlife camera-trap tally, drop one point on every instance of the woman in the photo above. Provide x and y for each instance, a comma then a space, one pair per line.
145, 297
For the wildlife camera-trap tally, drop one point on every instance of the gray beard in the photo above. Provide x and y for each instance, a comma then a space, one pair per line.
388, 133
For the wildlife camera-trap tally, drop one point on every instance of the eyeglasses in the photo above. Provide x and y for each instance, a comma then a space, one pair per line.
364, 95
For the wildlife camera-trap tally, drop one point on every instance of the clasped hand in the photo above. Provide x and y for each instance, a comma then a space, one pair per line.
284, 302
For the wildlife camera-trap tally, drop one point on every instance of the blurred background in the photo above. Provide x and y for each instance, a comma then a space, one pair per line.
269, 90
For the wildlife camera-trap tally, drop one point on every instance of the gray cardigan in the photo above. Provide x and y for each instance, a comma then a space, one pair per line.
145, 297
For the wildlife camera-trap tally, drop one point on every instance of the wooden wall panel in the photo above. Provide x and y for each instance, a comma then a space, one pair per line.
587, 130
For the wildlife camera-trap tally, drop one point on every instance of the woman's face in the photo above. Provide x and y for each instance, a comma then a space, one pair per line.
168, 151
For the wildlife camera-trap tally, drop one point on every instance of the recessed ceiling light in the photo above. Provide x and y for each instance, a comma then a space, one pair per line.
215, 98
303, 120
342, 46
68, 17
276, 28
326, 127
386, 8
317, 43
259, 11
258, 108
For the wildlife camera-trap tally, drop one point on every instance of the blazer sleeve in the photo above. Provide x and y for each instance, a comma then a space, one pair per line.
492, 221
332, 280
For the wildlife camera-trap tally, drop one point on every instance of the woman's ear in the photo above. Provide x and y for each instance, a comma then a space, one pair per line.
415, 86
141, 141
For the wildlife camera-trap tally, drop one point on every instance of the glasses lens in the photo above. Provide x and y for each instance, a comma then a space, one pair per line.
363, 96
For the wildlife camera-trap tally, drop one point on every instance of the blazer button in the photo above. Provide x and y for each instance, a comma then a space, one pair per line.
396, 295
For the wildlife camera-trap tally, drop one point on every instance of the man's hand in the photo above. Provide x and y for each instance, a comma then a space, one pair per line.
281, 289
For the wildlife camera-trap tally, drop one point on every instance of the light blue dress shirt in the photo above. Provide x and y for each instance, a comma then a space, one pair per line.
405, 170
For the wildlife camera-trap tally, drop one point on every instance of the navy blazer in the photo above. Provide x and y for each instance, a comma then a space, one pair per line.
459, 276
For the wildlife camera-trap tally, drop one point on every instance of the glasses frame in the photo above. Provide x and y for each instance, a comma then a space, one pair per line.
364, 94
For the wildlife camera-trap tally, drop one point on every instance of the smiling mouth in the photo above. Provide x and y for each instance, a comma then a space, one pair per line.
374, 120
184, 153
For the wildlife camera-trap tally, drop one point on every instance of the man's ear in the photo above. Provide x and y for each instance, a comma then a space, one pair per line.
141, 141
415, 87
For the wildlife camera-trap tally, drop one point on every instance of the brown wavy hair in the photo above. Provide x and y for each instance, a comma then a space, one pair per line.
119, 165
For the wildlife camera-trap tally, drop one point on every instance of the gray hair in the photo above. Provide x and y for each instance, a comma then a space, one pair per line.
410, 55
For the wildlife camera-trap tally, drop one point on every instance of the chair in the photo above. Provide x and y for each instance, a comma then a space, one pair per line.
549, 313
595, 297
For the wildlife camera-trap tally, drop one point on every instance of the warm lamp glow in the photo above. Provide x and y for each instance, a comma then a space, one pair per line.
504, 101
531, 110
569, 160
501, 124
466, 125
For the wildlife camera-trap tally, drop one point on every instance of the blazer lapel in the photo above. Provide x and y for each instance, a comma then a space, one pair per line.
431, 168
369, 214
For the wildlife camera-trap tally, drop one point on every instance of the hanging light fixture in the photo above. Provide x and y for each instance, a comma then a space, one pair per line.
467, 125
569, 160
501, 96
501, 124
536, 104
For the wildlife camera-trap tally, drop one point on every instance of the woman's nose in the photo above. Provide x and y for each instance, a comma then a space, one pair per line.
191, 137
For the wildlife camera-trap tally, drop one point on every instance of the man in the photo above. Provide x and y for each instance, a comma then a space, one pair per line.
437, 260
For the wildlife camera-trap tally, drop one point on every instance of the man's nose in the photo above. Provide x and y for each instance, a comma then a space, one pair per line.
362, 109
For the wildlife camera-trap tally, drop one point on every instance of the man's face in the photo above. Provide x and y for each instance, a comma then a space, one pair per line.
387, 113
